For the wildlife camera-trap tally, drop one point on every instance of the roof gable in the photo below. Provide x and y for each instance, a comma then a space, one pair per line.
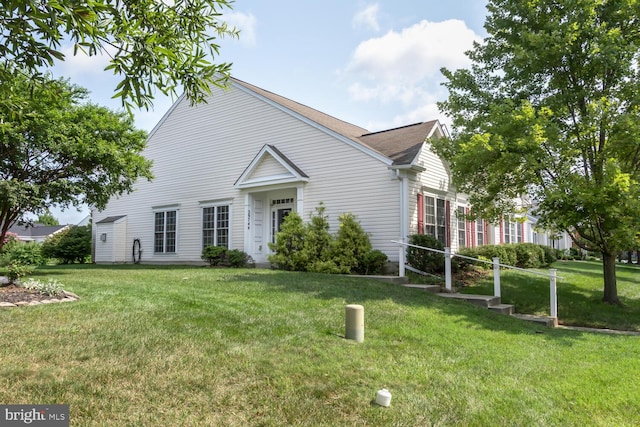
269, 167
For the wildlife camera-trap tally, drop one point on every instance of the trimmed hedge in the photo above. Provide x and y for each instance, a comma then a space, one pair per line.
523, 255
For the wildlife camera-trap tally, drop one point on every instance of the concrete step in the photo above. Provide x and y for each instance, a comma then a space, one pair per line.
503, 308
429, 288
551, 322
480, 300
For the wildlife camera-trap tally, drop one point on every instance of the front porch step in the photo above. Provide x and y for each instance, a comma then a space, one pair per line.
503, 308
481, 300
429, 288
551, 322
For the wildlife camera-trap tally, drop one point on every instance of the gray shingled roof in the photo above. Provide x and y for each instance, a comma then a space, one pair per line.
401, 145
35, 230
110, 219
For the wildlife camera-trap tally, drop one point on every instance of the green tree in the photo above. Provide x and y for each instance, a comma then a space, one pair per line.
153, 45
60, 151
71, 245
550, 107
47, 218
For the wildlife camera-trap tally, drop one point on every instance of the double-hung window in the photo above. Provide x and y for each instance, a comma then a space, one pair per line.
435, 219
512, 231
480, 232
462, 228
165, 230
215, 226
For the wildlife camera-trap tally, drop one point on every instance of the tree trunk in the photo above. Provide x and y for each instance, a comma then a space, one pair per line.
610, 287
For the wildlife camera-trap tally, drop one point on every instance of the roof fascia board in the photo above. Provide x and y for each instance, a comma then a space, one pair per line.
316, 125
295, 176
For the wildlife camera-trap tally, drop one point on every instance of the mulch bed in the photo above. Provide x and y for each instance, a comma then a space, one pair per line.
14, 294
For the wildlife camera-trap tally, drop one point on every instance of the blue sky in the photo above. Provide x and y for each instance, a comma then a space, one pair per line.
374, 64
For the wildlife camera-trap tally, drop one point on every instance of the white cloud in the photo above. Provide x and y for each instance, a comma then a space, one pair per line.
246, 23
403, 67
367, 18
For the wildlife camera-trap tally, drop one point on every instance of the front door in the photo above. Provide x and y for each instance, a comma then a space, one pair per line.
277, 218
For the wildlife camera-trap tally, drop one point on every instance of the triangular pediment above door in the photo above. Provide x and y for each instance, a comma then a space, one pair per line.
270, 166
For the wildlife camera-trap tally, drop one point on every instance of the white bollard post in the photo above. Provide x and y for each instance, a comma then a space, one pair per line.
553, 294
354, 322
447, 268
496, 277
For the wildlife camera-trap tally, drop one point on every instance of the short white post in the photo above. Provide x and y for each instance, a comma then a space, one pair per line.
553, 294
496, 277
401, 258
447, 268
354, 322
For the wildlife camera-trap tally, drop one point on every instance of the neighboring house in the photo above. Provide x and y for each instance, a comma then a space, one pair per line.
36, 232
229, 171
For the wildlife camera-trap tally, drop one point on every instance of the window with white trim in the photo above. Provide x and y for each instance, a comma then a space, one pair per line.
512, 231
462, 227
165, 231
215, 226
480, 232
435, 219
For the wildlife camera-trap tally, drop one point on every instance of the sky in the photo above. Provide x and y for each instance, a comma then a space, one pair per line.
374, 64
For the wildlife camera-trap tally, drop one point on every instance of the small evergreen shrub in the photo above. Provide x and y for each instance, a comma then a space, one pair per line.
529, 255
374, 262
237, 258
289, 253
351, 245
422, 259
214, 255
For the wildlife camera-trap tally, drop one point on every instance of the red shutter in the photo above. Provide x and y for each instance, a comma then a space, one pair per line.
447, 224
420, 213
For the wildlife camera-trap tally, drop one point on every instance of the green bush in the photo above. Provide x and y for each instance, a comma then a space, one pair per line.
237, 258
311, 247
16, 271
289, 253
422, 259
351, 245
529, 255
26, 253
374, 261
214, 255
68, 246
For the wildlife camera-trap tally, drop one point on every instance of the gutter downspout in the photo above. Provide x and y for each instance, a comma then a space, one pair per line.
404, 219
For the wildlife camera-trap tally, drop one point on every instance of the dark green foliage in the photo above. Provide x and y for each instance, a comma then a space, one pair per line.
311, 247
237, 258
68, 246
351, 244
214, 255
550, 255
221, 256
374, 262
289, 253
528, 255
424, 260
523, 255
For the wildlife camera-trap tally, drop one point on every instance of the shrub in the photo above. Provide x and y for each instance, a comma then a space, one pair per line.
529, 255
214, 255
289, 253
27, 253
318, 242
351, 245
374, 261
549, 255
422, 259
68, 246
16, 271
237, 258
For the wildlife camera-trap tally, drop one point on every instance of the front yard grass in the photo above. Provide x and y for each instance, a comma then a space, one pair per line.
186, 346
579, 292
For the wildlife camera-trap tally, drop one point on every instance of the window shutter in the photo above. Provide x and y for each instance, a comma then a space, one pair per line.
486, 232
447, 224
420, 213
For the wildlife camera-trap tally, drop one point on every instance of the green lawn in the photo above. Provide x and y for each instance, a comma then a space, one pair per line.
579, 293
197, 346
